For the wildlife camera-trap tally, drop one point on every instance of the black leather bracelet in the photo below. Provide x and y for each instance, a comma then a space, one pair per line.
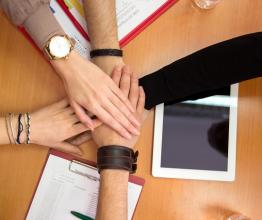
106, 52
116, 157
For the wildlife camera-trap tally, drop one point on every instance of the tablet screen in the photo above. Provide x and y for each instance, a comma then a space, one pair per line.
195, 134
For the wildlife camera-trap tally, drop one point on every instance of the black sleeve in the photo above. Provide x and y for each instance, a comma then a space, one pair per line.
214, 67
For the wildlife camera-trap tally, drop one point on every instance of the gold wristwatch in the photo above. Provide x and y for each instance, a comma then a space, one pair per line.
59, 47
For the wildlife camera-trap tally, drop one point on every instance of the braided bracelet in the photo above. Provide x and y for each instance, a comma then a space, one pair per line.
20, 128
28, 128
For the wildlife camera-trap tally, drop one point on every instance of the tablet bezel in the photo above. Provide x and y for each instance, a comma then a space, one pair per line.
229, 175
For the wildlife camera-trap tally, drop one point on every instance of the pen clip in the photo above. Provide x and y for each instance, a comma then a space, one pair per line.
74, 164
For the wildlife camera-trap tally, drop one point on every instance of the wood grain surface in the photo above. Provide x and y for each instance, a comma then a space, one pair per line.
27, 82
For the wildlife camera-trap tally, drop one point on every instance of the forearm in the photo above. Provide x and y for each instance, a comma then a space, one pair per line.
214, 67
101, 22
117, 152
102, 29
35, 16
112, 202
42, 25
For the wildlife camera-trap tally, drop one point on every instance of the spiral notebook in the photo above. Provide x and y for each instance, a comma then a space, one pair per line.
72, 184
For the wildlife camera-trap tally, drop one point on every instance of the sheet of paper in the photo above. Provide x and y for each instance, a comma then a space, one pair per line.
60, 191
130, 13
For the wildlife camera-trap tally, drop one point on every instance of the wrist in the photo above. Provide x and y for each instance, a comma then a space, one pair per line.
108, 59
14, 124
35, 125
108, 144
114, 173
109, 43
23, 134
108, 63
115, 157
65, 67
111, 52
26, 131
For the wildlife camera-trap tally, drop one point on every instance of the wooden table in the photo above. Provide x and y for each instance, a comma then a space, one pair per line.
27, 82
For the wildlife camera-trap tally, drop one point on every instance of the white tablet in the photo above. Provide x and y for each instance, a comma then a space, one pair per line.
197, 139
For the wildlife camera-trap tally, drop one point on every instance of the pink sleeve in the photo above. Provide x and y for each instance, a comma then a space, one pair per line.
35, 16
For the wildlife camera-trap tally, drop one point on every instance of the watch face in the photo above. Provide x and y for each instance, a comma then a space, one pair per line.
59, 46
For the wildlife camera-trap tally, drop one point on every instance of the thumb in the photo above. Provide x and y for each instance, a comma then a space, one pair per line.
80, 139
68, 148
116, 74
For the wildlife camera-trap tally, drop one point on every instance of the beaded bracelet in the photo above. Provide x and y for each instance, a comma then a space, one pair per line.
28, 128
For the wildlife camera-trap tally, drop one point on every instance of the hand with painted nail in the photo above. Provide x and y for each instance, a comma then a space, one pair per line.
128, 83
90, 89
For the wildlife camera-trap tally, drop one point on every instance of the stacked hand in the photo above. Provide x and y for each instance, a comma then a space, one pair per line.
128, 83
53, 125
58, 127
122, 77
108, 63
89, 88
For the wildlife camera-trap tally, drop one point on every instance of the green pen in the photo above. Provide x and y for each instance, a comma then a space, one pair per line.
80, 216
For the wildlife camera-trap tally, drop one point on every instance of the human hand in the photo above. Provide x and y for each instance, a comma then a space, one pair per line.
128, 82
80, 138
108, 63
90, 89
52, 125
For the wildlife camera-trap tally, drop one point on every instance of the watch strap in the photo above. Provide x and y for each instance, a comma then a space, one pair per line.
106, 52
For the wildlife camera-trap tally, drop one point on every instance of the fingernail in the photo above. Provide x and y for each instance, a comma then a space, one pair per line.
127, 135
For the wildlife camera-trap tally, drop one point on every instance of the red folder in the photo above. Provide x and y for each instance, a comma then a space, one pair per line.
130, 36
132, 179
123, 41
